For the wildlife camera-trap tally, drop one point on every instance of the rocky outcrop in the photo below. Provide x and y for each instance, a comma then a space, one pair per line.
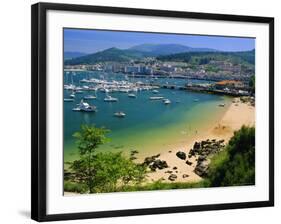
150, 159
181, 155
203, 150
206, 147
160, 164
202, 167
153, 163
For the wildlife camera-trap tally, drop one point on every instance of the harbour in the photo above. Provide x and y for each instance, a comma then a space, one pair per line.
153, 117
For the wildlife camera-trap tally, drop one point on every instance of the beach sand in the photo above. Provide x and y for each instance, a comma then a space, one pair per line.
237, 114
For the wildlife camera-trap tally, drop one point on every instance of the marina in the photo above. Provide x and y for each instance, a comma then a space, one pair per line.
143, 112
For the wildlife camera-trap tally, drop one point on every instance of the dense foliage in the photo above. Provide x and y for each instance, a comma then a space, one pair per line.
204, 57
236, 164
100, 172
252, 83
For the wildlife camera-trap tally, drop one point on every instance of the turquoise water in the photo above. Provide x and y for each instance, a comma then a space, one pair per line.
148, 126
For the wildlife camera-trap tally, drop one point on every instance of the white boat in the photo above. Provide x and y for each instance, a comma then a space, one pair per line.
69, 86
84, 80
110, 99
221, 105
155, 91
196, 100
156, 98
132, 95
89, 97
166, 101
123, 90
68, 99
119, 114
85, 107
72, 95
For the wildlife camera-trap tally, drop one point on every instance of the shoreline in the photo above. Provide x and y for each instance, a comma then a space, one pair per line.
223, 130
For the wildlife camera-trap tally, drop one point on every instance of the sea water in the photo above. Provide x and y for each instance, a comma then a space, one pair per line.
149, 125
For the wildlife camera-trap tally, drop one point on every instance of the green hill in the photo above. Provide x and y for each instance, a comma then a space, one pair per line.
165, 49
111, 54
205, 57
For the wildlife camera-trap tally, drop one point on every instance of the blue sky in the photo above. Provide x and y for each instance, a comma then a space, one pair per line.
90, 41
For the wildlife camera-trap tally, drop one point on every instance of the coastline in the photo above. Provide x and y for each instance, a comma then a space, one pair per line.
224, 129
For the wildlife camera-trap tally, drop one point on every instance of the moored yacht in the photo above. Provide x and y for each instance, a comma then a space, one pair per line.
166, 101
119, 114
156, 98
68, 99
89, 97
85, 107
155, 91
72, 95
110, 99
132, 95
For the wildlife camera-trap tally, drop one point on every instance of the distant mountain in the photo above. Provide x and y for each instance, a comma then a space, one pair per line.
72, 54
164, 52
111, 54
165, 49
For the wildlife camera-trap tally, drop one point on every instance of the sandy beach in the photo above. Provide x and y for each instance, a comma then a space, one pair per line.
237, 114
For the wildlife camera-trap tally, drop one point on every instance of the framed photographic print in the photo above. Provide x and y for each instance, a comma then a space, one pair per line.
139, 111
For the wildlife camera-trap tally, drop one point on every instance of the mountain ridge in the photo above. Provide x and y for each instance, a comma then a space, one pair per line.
160, 51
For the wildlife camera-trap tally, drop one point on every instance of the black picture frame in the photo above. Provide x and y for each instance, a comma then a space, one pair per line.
38, 109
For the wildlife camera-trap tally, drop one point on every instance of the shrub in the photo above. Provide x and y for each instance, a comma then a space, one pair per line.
236, 164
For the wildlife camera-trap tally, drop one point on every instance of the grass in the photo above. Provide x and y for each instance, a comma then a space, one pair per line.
74, 187
158, 185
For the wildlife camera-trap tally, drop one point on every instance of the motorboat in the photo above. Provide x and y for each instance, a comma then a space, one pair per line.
156, 98
68, 99
69, 86
155, 91
119, 114
132, 95
196, 100
85, 107
110, 99
78, 90
221, 105
167, 101
89, 97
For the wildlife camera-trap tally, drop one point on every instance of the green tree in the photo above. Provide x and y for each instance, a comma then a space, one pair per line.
236, 164
252, 83
113, 171
88, 140
101, 172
